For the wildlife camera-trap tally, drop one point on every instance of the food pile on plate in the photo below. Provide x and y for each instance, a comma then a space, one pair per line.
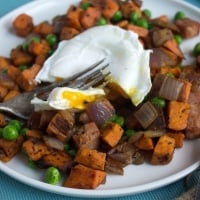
142, 113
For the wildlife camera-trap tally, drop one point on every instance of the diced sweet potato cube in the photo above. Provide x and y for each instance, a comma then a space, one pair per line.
26, 80
179, 138
142, 32
20, 57
2, 120
39, 48
35, 149
73, 17
178, 115
68, 32
111, 134
163, 151
89, 17
34, 134
11, 94
84, 177
44, 28
110, 8
91, 158
23, 24
9, 148
3, 92
145, 143
176, 71
58, 159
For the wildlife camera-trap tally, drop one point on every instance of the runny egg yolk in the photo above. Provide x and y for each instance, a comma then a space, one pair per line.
77, 99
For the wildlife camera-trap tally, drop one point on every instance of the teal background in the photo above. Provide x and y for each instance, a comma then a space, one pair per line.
11, 189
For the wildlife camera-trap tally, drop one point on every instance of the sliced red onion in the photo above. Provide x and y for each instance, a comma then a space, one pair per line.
170, 88
53, 142
146, 114
100, 111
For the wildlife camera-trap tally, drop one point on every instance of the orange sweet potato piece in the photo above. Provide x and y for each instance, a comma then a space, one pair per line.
111, 134
35, 149
109, 9
39, 48
4, 62
73, 16
40, 59
178, 136
163, 151
58, 159
9, 148
20, 57
145, 143
2, 120
173, 46
83, 177
43, 28
142, 32
23, 24
178, 115
91, 158
11, 94
123, 24
176, 71
26, 79
129, 6
68, 32
34, 134
89, 17
3, 92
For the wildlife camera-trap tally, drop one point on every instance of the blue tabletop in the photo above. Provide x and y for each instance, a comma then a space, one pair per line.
11, 189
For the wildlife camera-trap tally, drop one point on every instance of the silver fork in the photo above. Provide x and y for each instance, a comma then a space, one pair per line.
21, 106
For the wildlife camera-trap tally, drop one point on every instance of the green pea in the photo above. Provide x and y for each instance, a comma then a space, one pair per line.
142, 23
25, 45
23, 131
22, 67
179, 15
159, 102
66, 147
196, 50
52, 39
101, 21
120, 121
1, 132
117, 16
85, 5
72, 152
129, 133
178, 38
147, 13
31, 164
10, 132
16, 123
134, 16
52, 176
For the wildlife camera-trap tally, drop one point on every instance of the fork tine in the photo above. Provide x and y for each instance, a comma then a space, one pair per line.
83, 73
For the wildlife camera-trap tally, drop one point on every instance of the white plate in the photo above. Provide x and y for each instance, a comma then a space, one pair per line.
136, 179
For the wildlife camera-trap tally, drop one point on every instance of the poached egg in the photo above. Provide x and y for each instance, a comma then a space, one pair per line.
128, 62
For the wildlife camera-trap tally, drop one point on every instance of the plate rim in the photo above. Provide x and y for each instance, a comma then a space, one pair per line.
92, 193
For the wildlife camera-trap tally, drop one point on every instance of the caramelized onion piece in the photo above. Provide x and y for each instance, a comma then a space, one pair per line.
100, 111
146, 114
53, 143
154, 133
170, 88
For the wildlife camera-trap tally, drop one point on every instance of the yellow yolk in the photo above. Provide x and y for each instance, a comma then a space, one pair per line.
77, 99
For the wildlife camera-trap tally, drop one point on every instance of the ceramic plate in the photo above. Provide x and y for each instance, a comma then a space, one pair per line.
136, 179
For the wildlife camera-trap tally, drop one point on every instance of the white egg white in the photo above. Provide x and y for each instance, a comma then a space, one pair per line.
128, 61
56, 99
